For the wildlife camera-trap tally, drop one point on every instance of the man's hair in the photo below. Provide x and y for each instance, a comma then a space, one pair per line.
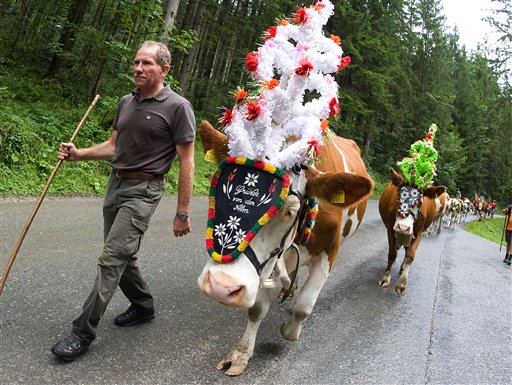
163, 56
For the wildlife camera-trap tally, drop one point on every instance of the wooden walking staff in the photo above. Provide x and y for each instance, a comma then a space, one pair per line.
40, 200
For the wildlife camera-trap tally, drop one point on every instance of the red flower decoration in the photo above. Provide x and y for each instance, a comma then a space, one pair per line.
429, 137
270, 33
251, 61
314, 148
345, 61
253, 110
334, 107
305, 68
301, 16
227, 118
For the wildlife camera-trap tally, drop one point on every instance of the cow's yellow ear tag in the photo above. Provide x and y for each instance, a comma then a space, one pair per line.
338, 197
209, 157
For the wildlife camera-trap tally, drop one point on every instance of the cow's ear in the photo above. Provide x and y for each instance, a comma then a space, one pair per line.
434, 191
214, 141
396, 178
341, 189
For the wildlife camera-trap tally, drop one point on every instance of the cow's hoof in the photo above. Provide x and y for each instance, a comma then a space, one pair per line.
234, 366
385, 280
400, 290
290, 331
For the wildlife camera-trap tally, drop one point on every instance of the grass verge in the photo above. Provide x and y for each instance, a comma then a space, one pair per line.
491, 229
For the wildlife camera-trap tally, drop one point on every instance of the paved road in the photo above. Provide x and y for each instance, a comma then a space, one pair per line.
452, 327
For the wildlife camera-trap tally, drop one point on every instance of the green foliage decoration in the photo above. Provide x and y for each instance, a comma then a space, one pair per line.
420, 167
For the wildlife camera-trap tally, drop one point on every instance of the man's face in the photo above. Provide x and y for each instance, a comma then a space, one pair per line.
146, 71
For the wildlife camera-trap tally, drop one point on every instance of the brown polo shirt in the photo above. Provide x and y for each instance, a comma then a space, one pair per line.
148, 131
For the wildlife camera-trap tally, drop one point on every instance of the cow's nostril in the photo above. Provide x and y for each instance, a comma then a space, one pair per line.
235, 292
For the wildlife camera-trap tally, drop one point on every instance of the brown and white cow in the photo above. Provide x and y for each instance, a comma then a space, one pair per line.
405, 222
441, 213
338, 169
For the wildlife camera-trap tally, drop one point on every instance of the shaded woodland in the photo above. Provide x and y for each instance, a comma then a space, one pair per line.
407, 70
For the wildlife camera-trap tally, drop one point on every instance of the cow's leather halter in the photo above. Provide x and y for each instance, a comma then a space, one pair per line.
299, 219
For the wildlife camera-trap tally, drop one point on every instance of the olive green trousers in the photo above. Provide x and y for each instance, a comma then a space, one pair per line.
127, 209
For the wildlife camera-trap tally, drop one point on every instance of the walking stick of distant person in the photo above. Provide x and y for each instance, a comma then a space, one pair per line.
3, 278
503, 232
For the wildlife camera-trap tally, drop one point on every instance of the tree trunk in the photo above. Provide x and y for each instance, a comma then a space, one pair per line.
67, 39
186, 67
170, 8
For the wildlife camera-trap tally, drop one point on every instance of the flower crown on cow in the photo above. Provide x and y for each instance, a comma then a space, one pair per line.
284, 121
420, 167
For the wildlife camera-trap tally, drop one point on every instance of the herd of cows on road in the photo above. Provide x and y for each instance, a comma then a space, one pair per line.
338, 180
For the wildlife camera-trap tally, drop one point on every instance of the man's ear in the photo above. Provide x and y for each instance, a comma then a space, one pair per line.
165, 69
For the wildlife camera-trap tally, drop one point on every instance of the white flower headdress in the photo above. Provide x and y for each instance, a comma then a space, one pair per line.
277, 124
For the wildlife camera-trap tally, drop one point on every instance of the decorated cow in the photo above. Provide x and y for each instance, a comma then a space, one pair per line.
408, 205
287, 190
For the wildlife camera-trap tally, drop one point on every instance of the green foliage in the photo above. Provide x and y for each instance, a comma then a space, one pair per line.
406, 72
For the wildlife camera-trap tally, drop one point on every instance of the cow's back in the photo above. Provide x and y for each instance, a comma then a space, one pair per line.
335, 223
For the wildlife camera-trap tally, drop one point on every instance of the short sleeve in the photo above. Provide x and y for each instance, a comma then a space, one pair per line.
184, 124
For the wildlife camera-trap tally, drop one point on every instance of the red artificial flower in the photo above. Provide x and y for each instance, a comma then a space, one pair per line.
270, 33
227, 118
284, 22
301, 16
251, 61
304, 69
345, 61
429, 136
240, 94
334, 107
314, 148
253, 110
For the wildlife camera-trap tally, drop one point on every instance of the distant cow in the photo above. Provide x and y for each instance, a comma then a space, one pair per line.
339, 169
406, 212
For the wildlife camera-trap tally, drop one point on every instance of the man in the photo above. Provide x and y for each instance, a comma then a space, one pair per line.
152, 125
508, 235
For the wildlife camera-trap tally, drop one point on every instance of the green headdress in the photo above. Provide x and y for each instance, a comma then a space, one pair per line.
420, 167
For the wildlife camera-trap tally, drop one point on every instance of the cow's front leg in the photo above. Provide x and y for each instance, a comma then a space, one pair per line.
386, 277
410, 253
287, 267
236, 361
306, 299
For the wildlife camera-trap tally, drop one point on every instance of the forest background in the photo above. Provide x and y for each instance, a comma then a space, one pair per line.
407, 71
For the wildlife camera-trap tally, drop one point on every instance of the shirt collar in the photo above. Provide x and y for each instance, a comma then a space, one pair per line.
160, 96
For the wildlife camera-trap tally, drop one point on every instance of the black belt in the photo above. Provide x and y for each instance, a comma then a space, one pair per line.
144, 176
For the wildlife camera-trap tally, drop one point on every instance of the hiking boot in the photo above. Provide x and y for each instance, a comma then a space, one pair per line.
134, 316
69, 348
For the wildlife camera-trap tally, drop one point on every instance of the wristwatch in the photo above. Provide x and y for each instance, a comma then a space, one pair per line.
182, 216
